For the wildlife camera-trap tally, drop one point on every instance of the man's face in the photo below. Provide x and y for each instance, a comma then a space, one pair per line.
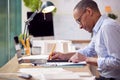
82, 18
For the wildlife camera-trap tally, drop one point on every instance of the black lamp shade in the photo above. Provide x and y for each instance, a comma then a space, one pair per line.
47, 7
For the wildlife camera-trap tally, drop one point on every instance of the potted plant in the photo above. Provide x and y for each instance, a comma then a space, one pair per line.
33, 5
112, 15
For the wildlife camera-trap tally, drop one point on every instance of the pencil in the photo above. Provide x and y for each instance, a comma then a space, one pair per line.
51, 53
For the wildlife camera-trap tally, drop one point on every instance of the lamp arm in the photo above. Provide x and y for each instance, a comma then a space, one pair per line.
31, 18
28, 23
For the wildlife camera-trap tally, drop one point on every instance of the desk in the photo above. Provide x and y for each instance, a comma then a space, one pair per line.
12, 67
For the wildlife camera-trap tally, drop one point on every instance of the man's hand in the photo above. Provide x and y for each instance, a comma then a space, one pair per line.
61, 56
77, 58
58, 55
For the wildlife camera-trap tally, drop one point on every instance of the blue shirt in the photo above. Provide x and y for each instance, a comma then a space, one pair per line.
105, 44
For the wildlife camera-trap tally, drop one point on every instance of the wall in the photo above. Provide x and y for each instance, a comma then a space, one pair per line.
64, 25
10, 26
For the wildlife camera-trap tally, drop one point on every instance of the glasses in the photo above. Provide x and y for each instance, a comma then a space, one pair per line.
79, 19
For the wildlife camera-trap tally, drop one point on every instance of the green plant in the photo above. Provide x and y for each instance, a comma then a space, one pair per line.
112, 15
33, 5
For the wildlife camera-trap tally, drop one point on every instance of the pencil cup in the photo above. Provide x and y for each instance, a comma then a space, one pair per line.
27, 47
27, 51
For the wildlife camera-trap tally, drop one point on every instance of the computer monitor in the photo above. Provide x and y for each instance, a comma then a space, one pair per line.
41, 25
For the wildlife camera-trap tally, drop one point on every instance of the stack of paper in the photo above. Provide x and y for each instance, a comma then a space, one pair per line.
50, 73
55, 74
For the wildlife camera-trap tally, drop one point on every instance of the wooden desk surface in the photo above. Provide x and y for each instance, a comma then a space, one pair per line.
12, 67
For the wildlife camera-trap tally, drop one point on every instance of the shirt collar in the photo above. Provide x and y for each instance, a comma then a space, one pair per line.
99, 23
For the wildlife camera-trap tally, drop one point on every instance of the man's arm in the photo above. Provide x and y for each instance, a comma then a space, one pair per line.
92, 60
89, 50
111, 37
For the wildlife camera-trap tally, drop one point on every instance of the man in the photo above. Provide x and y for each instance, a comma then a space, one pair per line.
104, 43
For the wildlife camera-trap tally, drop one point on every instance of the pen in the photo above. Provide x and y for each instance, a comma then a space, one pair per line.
51, 53
57, 60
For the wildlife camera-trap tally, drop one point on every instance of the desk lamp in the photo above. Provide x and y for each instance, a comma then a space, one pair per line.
46, 7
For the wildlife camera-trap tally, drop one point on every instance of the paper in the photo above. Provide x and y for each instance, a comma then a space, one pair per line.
62, 76
42, 70
83, 74
56, 74
50, 73
35, 57
64, 64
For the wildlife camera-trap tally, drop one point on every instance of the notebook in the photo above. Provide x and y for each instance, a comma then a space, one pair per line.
42, 60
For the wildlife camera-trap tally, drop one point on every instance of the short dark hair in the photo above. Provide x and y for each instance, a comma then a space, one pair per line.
83, 4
